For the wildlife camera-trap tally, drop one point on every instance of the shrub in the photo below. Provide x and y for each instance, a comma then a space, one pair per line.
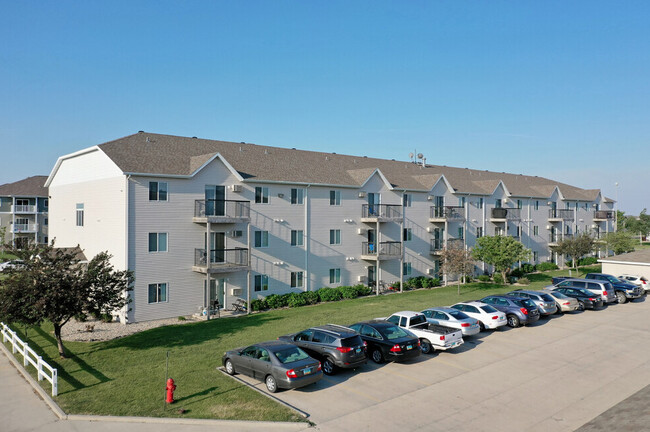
363, 290
395, 286
348, 292
518, 272
311, 297
258, 304
106, 317
588, 261
329, 294
296, 300
524, 281
434, 282
276, 301
182, 318
498, 278
484, 278
528, 268
546, 266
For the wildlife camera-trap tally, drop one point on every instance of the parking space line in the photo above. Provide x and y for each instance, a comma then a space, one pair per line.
358, 393
406, 377
453, 365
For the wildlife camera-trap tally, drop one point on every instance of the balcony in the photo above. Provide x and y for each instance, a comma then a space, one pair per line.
381, 251
24, 228
603, 215
381, 213
220, 260
446, 213
559, 215
438, 245
221, 211
555, 238
23, 209
505, 214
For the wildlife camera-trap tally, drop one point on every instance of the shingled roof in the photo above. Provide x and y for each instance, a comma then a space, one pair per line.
148, 153
31, 186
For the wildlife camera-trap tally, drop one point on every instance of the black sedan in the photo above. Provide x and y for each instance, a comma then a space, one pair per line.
586, 299
278, 364
386, 341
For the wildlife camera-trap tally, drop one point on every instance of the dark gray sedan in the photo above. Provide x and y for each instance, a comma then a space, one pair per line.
278, 364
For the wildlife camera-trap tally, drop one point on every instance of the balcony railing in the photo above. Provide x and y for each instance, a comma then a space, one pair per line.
381, 211
21, 228
506, 213
385, 249
564, 214
437, 245
447, 212
603, 215
227, 209
221, 258
558, 237
24, 208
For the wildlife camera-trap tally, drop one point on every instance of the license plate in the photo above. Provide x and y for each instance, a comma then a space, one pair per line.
306, 371
408, 347
358, 350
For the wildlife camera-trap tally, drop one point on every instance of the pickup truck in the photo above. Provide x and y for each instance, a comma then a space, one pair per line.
624, 290
432, 336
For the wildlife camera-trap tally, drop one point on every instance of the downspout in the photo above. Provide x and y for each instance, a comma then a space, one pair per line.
126, 240
248, 273
306, 239
401, 270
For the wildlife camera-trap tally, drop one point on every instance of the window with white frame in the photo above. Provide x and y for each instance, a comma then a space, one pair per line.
407, 269
157, 191
297, 279
520, 204
479, 232
261, 239
536, 205
497, 203
408, 234
261, 282
261, 195
335, 236
335, 275
158, 293
157, 242
461, 233
535, 230
335, 198
461, 201
80, 214
296, 237
535, 256
297, 196
407, 200
480, 202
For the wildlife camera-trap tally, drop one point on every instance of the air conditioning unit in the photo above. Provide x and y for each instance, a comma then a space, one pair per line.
429, 198
236, 188
361, 278
237, 233
361, 231
362, 194
429, 229
431, 271
235, 291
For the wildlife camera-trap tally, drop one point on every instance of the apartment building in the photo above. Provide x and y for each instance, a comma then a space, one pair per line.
199, 220
24, 211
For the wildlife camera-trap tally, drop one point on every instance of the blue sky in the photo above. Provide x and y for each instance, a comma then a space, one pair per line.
552, 88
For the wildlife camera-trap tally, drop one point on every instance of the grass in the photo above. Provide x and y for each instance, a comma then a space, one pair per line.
126, 377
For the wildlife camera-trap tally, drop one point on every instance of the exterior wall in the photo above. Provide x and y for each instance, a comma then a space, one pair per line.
35, 215
617, 269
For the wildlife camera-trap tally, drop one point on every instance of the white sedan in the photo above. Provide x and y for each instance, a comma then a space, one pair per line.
487, 316
636, 280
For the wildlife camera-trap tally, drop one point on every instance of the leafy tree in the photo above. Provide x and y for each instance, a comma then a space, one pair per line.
575, 247
500, 251
619, 242
457, 261
54, 286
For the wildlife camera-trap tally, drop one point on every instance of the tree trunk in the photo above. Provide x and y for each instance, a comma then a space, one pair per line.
505, 281
59, 341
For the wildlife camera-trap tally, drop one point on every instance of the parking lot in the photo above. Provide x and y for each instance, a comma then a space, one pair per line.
555, 375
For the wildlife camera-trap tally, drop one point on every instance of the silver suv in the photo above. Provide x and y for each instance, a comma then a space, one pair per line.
544, 302
603, 289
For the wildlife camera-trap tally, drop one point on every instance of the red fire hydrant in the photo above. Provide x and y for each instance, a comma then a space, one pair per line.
170, 391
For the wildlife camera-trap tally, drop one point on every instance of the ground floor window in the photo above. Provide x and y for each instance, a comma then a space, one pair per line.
157, 293
296, 279
335, 275
261, 282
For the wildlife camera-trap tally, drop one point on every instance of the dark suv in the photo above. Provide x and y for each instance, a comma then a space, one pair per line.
334, 345
519, 311
624, 290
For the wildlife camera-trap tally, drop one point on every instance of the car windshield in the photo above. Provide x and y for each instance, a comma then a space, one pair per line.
290, 355
546, 298
488, 309
394, 332
458, 315
612, 279
559, 295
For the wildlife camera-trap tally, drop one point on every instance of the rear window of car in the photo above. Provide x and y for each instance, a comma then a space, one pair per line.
418, 319
458, 314
488, 309
351, 341
524, 302
290, 355
559, 295
394, 333
546, 298
594, 286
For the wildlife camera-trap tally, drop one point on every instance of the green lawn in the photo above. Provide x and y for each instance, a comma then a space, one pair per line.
127, 376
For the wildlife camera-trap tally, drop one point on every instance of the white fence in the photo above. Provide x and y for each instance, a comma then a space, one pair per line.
30, 357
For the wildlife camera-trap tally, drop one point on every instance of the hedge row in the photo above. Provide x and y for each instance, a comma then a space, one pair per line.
276, 301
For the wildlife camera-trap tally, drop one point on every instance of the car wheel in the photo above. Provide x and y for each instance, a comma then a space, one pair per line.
621, 298
377, 356
271, 384
581, 305
425, 346
481, 326
328, 366
513, 321
230, 368
559, 309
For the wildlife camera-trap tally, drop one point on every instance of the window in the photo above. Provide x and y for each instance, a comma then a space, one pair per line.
335, 198
261, 239
498, 231
335, 275
335, 236
479, 232
157, 293
296, 237
586, 206
535, 256
261, 195
46, 203
480, 203
535, 230
80, 214
461, 233
297, 196
46, 221
296, 279
406, 200
157, 191
157, 242
461, 201
407, 269
497, 203
536, 205
408, 234
519, 204
518, 234
261, 282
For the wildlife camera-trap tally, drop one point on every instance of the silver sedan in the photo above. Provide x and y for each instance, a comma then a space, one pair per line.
454, 318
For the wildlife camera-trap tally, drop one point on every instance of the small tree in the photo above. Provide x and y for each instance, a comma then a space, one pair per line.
500, 251
575, 247
619, 242
53, 285
458, 261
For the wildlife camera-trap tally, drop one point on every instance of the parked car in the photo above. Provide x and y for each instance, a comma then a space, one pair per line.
453, 318
278, 364
334, 345
603, 289
639, 281
12, 264
487, 316
624, 290
586, 299
564, 303
431, 336
519, 311
544, 302
387, 342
